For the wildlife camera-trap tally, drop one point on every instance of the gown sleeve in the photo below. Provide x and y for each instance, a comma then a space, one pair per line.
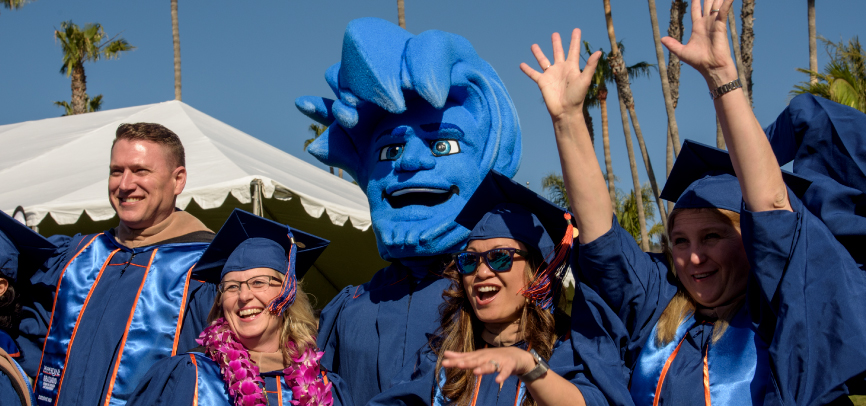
201, 298
328, 342
37, 301
807, 294
170, 381
637, 286
413, 385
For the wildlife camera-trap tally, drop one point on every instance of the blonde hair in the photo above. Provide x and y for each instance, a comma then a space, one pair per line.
298, 323
682, 305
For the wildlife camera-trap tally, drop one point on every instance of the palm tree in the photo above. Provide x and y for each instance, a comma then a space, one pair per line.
626, 101
79, 46
624, 206
673, 131
14, 4
401, 14
747, 42
175, 34
844, 77
813, 43
597, 97
318, 130
94, 104
675, 31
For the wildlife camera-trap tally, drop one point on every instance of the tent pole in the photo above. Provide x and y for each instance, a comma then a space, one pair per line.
257, 185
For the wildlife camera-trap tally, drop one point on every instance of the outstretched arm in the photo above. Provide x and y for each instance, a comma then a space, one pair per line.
548, 390
708, 51
563, 86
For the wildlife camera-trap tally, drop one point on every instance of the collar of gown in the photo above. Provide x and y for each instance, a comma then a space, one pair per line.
179, 223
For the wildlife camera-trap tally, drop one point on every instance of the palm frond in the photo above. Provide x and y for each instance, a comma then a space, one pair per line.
66, 106
554, 186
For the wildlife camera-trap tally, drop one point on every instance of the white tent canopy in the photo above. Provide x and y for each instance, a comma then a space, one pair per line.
57, 170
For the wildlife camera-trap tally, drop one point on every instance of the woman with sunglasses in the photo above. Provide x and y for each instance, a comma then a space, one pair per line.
260, 348
503, 338
756, 301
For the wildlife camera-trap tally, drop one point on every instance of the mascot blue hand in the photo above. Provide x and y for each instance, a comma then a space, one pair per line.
419, 122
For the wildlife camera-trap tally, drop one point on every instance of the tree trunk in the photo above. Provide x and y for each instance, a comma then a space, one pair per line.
620, 74
401, 16
675, 31
738, 54
813, 46
747, 42
175, 34
605, 137
587, 118
79, 90
673, 131
641, 216
625, 95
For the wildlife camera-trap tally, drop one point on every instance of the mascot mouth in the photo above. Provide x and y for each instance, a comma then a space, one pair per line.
420, 196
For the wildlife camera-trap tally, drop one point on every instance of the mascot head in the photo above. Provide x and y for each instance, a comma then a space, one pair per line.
419, 120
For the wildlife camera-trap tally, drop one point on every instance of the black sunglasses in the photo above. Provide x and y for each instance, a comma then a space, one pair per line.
497, 259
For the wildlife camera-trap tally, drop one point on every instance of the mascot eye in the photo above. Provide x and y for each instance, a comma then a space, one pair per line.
391, 152
444, 147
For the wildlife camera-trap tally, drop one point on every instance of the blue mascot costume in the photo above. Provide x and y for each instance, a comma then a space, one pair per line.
418, 122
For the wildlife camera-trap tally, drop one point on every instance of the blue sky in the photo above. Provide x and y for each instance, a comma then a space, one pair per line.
244, 63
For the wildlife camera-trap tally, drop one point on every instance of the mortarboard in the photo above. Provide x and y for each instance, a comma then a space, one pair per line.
503, 208
21, 249
703, 177
248, 241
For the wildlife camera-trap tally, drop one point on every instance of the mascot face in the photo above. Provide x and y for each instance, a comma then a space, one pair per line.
419, 121
424, 166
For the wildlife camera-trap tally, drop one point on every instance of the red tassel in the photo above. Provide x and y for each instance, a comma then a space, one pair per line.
543, 280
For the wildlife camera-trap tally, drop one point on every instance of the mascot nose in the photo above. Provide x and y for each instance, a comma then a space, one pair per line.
416, 157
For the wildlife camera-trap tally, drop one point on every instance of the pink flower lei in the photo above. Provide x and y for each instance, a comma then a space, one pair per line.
242, 375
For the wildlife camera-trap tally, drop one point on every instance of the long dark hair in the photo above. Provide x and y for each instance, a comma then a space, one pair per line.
460, 331
10, 308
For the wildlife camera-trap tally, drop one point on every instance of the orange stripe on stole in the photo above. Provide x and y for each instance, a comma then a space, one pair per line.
668, 363
195, 392
77, 320
126, 332
707, 400
181, 312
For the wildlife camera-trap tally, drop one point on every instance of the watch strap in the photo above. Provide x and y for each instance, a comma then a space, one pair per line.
725, 88
540, 368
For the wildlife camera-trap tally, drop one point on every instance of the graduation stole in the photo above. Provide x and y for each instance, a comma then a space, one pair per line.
735, 368
241, 375
153, 326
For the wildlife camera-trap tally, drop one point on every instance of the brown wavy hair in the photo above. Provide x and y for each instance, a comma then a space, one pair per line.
682, 305
298, 323
10, 308
460, 330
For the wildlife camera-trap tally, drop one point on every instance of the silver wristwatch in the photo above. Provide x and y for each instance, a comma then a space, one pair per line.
540, 368
725, 88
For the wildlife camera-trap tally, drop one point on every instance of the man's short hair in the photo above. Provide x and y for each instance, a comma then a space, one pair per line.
154, 133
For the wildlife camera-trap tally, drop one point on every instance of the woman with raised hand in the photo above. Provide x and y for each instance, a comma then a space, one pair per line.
260, 348
504, 338
756, 302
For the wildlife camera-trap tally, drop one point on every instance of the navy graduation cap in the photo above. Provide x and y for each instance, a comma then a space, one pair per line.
503, 208
703, 177
22, 250
248, 241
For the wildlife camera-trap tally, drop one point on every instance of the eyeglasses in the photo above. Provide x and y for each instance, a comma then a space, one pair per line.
497, 259
255, 284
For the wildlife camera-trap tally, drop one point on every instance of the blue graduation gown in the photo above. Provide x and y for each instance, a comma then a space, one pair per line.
369, 332
127, 297
416, 383
803, 301
194, 379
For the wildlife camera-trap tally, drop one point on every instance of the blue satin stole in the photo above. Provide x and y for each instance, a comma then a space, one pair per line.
486, 391
211, 389
154, 320
737, 366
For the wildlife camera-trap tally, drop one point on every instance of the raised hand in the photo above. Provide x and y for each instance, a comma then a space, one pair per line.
708, 50
562, 83
506, 361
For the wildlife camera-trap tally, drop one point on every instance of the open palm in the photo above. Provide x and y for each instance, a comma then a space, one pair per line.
708, 49
561, 82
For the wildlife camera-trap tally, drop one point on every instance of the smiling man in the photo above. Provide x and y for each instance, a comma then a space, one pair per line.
419, 121
123, 299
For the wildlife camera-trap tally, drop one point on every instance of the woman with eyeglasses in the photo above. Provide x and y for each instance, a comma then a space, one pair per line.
260, 348
504, 338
